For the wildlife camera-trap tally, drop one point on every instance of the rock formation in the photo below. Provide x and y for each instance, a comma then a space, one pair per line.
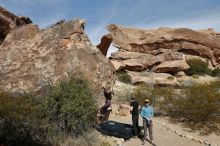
172, 66
155, 56
9, 21
31, 58
105, 44
163, 49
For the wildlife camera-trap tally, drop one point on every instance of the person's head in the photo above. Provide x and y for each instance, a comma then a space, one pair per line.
132, 98
146, 102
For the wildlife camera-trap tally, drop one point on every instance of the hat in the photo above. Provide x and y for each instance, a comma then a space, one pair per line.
147, 100
132, 98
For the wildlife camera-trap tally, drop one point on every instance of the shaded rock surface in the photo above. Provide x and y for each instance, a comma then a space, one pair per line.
105, 44
9, 21
31, 58
163, 45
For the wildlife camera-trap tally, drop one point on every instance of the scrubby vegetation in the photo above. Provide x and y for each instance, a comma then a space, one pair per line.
142, 92
68, 109
198, 105
122, 96
124, 77
170, 78
20, 120
198, 67
216, 72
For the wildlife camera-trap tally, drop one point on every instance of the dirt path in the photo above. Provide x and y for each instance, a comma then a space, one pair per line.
162, 135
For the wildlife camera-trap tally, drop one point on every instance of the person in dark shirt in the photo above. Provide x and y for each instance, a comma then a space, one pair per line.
106, 107
134, 109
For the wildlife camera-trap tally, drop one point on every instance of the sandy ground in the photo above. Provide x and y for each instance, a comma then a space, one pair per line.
165, 137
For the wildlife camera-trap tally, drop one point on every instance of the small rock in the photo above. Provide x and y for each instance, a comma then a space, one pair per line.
180, 74
189, 137
124, 110
206, 142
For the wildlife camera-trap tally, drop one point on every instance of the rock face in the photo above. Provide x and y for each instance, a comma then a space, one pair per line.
9, 21
172, 66
105, 44
133, 61
137, 47
31, 58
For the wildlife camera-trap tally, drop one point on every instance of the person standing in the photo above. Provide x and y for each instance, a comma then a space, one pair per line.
106, 107
134, 110
147, 115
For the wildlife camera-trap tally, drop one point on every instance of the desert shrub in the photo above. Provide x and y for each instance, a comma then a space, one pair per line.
70, 108
203, 102
123, 95
216, 72
195, 76
124, 77
170, 78
105, 143
87, 139
198, 67
20, 120
163, 96
197, 104
142, 92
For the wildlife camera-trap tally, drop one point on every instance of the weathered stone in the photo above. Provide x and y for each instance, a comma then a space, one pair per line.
149, 78
31, 58
9, 21
124, 110
138, 79
170, 56
174, 41
172, 66
105, 44
123, 55
180, 74
133, 61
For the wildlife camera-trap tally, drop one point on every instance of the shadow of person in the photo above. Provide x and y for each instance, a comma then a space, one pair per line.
117, 129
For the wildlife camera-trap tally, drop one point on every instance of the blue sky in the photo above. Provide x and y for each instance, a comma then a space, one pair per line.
195, 14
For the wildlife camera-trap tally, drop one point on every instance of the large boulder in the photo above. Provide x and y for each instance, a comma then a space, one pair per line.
168, 43
9, 21
133, 61
105, 44
172, 66
31, 58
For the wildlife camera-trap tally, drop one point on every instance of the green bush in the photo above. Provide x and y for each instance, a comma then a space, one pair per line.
68, 109
20, 120
198, 67
122, 96
170, 78
71, 107
197, 104
124, 77
142, 92
195, 76
216, 72
105, 143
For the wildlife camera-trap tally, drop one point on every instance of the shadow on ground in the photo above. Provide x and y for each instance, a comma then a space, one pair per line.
119, 130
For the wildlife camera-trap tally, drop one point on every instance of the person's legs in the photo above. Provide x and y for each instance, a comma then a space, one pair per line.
106, 115
145, 128
151, 130
135, 125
